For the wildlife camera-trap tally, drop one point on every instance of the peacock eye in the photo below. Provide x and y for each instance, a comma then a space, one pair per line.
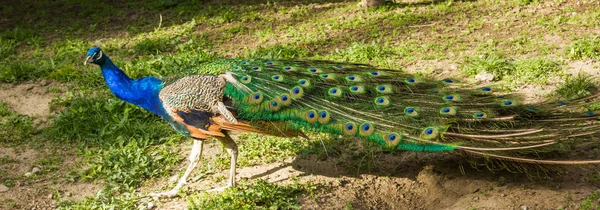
97, 55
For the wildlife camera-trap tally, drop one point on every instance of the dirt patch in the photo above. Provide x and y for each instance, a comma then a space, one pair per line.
39, 190
30, 98
589, 67
24, 157
404, 180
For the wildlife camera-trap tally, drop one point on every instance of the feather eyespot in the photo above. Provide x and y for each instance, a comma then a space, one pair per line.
508, 103
382, 101
290, 68
314, 70
324, 117
392, 139
374, 73
285, 100
255, 98
448, 111
334, 92
310, 116
384, 89
274, 106
590, 113
338, 66
357, 89
327, 76
366, 129
244, 63
269, 63
411, 111
354, 78
256, 68
485, 89
429, 133
480, 115
349, 128
448, 81
561, 103
411, 81
296, 92
304, 82
277, 78
246, 79
449, 98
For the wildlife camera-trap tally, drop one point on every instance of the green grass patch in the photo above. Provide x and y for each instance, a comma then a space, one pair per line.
99, 121
259, 149
591, 201
165, 65
102, 200
22, 35
536, 71
495, 64
22, 70
116, 142
154, 45
278, 52
361, 52
15, 128
576, 87
260, 195
7, 48
126, 164
584, 48
7, 160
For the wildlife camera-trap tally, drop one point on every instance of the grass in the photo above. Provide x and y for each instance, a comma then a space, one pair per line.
258, 149
591, 201
584, 48
278, 52
496, 64
100, 121
125, 165
122, 146
576, 87
15, 128
532, 71
259, 195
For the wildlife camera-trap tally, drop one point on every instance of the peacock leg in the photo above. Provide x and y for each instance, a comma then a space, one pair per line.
194, 158
232, 149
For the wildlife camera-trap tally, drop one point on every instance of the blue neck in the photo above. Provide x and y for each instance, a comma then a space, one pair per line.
142, 92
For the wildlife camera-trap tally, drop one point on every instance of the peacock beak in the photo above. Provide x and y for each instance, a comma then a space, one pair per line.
87, 59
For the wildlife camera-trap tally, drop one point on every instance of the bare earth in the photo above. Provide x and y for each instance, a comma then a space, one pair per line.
406, 181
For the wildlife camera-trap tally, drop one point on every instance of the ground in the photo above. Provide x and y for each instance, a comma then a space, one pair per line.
67, 143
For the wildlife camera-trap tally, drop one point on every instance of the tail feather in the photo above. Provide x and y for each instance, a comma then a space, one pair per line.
403, 111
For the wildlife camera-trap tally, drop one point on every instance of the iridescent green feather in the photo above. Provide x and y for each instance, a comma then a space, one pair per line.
421, 114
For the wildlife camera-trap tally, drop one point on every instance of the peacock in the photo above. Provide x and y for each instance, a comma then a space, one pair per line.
396, 110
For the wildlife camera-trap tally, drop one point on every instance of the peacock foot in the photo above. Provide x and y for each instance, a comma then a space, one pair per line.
166, 194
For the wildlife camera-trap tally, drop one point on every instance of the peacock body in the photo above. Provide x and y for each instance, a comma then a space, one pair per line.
393, 109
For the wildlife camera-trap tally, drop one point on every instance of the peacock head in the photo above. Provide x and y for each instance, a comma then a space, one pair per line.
94, 55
